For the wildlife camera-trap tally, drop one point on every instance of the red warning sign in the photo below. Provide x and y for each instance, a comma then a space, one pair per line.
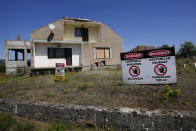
160, 69
134, 71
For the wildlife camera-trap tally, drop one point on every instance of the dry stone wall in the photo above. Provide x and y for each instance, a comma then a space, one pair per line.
122, 118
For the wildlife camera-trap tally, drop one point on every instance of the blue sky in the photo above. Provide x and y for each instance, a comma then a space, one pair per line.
138, 22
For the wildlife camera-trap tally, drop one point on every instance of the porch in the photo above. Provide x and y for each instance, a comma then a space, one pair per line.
47, 54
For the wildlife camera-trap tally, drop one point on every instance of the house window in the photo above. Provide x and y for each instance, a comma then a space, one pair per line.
56, 52
16, 54
78, 32
102, 53
82, 32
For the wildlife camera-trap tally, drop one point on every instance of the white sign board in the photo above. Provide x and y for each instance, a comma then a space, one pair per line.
156, 66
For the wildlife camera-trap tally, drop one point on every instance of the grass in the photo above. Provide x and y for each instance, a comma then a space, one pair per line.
114, 90
83, 87
101, 88
24, 126
49, 95
10, 122
21, 93
58, 125
5, 121
4, 77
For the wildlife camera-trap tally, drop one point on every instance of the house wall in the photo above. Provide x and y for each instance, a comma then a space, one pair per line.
12, 66
41, 55
43, 32
69, 33
109, 39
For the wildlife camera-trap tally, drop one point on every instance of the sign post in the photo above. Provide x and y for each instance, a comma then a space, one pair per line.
60, 72
156, 66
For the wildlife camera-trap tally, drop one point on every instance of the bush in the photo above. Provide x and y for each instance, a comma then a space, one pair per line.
176, 93
167, 93
2, 68
5, 121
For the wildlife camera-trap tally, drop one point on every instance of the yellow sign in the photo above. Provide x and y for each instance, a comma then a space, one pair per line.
60, 72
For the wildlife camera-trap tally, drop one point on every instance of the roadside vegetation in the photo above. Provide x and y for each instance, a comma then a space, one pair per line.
10, 122
2, 68
103, 88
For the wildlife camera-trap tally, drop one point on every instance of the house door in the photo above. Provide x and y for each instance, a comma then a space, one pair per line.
68, 56
28, 57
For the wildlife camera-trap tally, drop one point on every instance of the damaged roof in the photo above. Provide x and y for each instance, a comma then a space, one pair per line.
78, 19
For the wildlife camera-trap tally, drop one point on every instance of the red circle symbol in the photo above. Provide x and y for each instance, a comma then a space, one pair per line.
160, 69
134, 71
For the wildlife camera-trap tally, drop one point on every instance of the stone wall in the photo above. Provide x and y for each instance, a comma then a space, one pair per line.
122, 118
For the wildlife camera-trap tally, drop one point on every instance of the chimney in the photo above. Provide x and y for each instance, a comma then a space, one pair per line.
18, 37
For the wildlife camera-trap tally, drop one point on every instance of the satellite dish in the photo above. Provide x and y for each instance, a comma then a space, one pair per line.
51, 26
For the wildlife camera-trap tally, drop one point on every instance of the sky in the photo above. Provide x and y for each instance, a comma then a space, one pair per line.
138, 22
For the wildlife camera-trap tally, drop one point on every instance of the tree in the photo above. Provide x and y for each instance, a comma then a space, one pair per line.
187, 49
165, 46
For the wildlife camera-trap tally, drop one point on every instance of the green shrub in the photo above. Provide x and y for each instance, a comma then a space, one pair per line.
167, 93
24, 126
176, 93
2, 68
83, 86
5, 121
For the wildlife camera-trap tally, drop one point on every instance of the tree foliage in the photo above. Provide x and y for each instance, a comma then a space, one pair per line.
165, 46
187, 49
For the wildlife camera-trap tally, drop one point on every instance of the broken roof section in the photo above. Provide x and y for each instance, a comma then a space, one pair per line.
77, 19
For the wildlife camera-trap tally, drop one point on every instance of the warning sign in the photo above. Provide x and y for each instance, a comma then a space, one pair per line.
160, 69
156, 66
134, 71
60, 72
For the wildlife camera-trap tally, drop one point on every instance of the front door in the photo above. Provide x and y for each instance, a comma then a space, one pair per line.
68, 56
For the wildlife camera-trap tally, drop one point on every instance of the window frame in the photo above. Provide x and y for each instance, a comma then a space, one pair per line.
104, 48
75, 32
84, 33
15, 52
54, 53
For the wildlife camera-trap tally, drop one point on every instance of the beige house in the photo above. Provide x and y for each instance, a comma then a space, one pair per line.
79, 43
